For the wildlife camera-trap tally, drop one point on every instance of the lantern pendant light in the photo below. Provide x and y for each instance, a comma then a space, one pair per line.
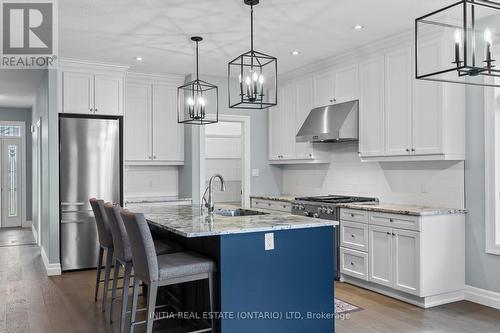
252, 76
197, 101
457, 43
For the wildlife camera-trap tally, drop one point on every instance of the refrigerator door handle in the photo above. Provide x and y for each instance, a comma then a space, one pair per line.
72, 203
72, 221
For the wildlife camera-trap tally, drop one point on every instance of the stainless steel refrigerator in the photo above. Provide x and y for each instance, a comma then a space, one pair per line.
90, 165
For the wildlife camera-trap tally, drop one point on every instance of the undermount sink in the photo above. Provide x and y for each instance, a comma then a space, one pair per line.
238, 212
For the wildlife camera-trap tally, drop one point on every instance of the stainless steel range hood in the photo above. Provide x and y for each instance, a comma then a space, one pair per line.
331, 123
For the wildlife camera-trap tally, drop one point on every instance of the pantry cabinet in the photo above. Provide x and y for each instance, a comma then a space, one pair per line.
152, 134
85, 89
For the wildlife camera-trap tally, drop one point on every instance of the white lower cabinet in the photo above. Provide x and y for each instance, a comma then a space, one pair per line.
418, 259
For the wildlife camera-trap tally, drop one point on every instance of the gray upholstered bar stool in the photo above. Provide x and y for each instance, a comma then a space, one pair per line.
105, 244
157, 271
123, 257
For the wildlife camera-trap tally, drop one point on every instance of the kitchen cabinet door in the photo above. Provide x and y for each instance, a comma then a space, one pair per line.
380, 255
108, 92
406, 261
304, 104
274, 131
288, 122
371, 108
77, 92
398, 101
138, 131
323, 89
428, 103
168, 135
346, 84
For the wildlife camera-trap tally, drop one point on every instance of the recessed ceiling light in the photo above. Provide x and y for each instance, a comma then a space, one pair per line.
358, 27
138, 58
295, 52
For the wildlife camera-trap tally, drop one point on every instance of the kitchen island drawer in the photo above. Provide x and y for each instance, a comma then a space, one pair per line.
408, 222
354, 263
354, 215
354, 235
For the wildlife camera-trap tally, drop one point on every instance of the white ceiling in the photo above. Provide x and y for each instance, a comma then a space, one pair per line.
117, 31
18, 87
159, 30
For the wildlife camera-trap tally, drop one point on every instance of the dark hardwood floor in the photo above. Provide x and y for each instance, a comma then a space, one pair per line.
32, 302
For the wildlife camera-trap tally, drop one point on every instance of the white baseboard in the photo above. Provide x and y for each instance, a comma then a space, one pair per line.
52, 269
26, 224
35, 233
482, 296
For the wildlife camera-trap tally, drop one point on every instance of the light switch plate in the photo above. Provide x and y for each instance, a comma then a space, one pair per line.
255, 172
269, 241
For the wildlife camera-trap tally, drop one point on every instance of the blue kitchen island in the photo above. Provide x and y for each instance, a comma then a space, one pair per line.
275, 271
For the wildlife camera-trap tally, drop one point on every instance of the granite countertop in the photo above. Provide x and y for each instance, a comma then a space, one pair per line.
278, 197
186, 220
155, 199
404, 209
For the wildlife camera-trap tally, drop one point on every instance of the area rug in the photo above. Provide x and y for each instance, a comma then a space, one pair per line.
344, 307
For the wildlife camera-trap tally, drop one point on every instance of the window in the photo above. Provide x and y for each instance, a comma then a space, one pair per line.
10, 131
492, 168
12, 180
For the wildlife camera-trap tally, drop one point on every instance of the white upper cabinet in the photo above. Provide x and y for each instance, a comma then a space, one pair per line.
371, 108
168, 134
138, 122
288, 110
303, 105
108, 94
77, 92
346, 84
274, 126
398, 101
152, 134
323, 89
88, 89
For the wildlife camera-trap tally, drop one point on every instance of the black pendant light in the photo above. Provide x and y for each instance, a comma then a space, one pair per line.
457, 43
197, 101
252, 76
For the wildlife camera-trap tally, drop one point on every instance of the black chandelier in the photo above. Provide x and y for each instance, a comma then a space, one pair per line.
252, 76
457, 43
197, 101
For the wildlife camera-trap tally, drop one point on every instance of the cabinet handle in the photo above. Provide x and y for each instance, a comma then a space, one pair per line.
352, 215
413, 149
96, 110
393, 234
352, 236
407, 150
352, 264
388, 233
91, 110
391, 220
154, 157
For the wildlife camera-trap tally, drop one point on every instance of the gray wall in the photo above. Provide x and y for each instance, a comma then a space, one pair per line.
24, 115
45, 110
482, 269
270, 177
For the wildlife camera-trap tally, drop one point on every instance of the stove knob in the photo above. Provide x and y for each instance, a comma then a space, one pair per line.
306, 214
315, 215
302, 207
294, 206
329, 211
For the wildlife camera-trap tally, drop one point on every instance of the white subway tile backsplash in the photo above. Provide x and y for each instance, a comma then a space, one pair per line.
147, 181
431, 183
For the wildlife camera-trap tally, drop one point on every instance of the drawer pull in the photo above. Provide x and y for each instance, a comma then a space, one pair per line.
352, 264
393, 234
352, 215
353, 236
391, 220
269, 204
388, 233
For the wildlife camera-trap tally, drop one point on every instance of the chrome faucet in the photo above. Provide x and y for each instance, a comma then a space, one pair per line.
209, 204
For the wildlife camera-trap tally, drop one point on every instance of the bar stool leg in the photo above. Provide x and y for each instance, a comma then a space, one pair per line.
211, 294
134, 303
126, 285
99, 268
113, 291
152, 291
109, 262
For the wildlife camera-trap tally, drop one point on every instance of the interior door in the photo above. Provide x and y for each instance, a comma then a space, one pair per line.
11, 167
380, 255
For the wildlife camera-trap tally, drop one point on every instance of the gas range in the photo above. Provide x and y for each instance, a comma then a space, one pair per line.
326, 206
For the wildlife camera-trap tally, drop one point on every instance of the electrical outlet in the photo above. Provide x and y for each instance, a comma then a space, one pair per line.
269, 241
255, 172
